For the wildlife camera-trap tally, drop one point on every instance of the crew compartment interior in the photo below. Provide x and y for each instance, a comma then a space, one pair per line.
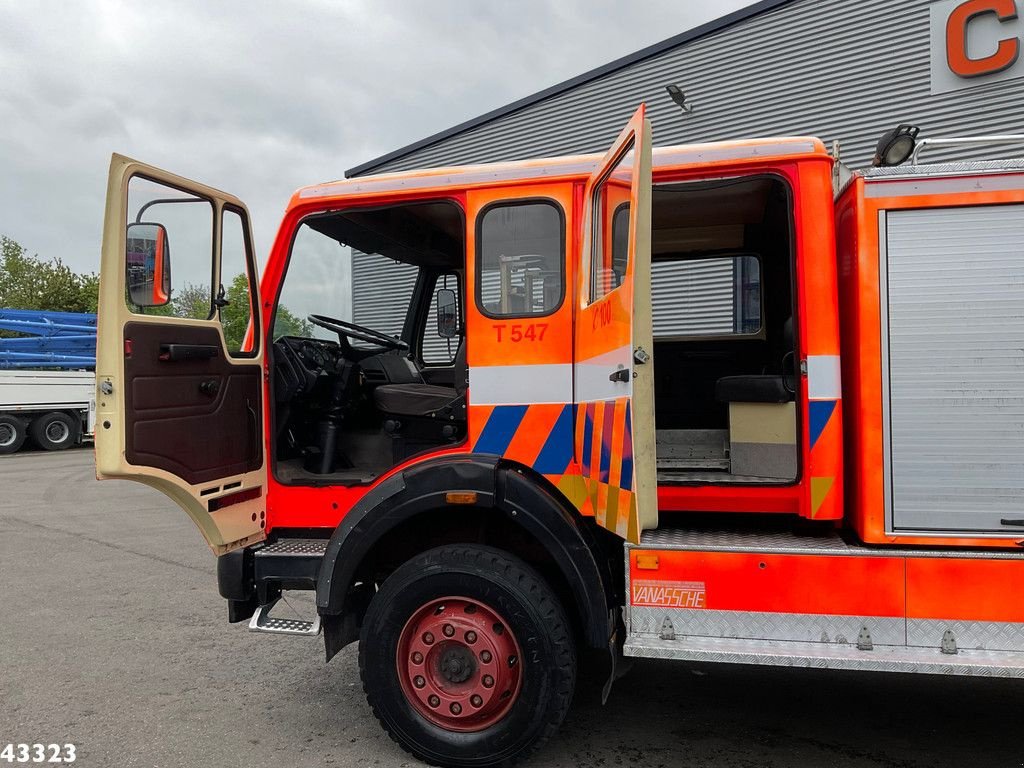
352, 400
724, 344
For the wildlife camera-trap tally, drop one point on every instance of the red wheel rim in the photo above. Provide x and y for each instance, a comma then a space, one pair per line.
459, 664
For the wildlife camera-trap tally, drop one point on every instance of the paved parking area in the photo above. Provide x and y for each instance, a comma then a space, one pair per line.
112, 636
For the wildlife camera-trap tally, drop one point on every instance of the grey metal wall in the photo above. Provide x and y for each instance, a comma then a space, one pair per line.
381, 292
843, 69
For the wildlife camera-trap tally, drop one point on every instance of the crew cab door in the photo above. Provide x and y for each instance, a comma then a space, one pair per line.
613, 368
179, 355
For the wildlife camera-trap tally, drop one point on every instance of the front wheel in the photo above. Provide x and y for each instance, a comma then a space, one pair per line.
466, 657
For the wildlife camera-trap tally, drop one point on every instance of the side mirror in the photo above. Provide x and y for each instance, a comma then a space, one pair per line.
447, 314
148, 265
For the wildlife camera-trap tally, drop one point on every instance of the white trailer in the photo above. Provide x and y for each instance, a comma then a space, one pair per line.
55, 409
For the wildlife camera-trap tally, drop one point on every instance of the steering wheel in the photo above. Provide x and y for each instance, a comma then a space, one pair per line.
354, 331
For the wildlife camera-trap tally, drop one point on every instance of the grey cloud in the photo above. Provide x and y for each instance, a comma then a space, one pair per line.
260, 98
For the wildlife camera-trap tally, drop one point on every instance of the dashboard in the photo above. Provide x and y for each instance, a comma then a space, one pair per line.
300, 362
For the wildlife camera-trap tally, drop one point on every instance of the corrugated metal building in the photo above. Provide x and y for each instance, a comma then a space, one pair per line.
843, 70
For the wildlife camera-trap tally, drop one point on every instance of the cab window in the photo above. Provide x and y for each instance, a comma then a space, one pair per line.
170, 262
436, 348
609, 243
520, 259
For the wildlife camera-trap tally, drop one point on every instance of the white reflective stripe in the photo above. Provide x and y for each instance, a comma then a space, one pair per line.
592, 376
520, 384
824, 377
911, 187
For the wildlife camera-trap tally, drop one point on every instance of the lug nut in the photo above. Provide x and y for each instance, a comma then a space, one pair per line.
471, 637
417, 658
488, 681
486, 657
476, 701
456, 708
434, 701
448, 630
418, 681
428, 638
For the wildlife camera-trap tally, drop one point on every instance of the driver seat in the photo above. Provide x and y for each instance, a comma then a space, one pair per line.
420, 399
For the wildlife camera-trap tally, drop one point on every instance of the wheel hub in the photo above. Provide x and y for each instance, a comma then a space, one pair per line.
6, 435
57, 431
458, 664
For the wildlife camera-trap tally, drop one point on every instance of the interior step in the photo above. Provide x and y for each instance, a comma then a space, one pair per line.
262, 621
829, 656
700, 449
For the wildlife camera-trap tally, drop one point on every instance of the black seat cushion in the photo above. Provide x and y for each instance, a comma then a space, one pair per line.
752, 389
413, 399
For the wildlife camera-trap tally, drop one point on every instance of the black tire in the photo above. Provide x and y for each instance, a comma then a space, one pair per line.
537, 623
54, 431
12, 433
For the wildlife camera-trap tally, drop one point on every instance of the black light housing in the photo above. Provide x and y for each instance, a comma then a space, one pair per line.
677, 95
896, 146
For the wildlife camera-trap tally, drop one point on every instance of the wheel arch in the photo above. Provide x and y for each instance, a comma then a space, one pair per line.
408, 513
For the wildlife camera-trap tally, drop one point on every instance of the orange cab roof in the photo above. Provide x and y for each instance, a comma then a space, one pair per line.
565, 167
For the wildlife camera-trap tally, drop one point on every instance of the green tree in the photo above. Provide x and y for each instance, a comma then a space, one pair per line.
236, 314
28, 282
192, 301
286, 323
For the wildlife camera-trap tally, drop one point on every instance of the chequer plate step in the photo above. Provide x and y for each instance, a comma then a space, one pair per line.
262, 621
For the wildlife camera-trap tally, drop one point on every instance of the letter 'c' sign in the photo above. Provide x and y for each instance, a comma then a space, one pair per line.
958, 58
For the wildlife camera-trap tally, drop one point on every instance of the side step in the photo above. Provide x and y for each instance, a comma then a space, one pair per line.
262, 621
290, 563
829, 656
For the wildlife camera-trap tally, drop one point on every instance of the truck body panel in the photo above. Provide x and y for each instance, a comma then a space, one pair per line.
591, 360
929, 281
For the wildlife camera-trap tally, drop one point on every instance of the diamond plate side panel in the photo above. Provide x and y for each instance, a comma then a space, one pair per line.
977, 635
822, 656
755, 625
772, 542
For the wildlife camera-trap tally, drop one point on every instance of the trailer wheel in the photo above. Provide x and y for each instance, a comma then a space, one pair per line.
12, 433
466, 657
54, 431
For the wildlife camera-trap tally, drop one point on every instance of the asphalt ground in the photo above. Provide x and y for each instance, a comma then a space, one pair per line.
113, 637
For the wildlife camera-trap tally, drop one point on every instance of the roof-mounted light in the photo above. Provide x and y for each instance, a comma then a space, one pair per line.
896, 146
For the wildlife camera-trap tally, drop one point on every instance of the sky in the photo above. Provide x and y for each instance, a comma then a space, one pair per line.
260, 98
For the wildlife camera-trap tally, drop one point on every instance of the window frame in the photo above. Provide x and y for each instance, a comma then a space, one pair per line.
214, 231
254, 282
478, 255
377, 205
420, 332
597, 223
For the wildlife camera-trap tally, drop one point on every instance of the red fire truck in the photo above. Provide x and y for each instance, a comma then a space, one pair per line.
721, 402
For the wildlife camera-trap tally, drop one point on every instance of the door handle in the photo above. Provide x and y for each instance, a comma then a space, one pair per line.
620, 375
1011, 521
173, 353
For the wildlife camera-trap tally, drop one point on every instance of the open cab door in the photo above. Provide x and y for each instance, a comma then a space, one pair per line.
613, 369
179, 363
